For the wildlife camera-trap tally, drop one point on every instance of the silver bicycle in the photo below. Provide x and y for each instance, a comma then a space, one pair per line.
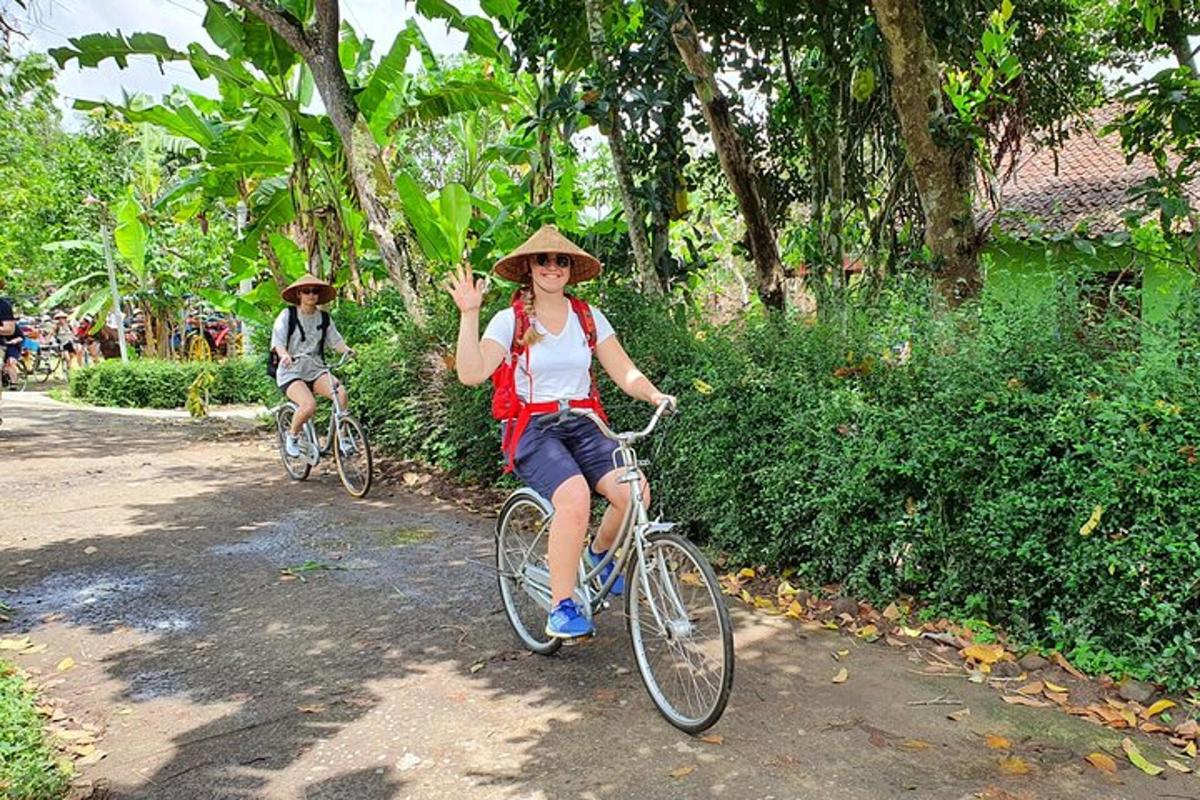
678, 624
346, 440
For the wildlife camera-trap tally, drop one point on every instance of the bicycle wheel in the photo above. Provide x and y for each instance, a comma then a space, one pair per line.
352, 451
47, 365
198, 349
680, 631
297, 468
521, 537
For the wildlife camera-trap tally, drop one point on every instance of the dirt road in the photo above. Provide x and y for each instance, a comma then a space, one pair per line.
150, 552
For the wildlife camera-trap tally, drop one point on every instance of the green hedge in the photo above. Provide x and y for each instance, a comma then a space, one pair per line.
153, 383
962, 477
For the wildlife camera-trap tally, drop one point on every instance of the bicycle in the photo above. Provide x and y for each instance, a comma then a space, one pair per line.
683, 652
347, 439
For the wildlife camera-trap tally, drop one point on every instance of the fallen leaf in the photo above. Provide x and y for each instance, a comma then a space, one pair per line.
984, 653
1014, 765
746, 598
478, 665
28, 651
794, 610
680, 772
1056, 697
713, 738
89, 550
998, 742
1022, 700
916, 744
1103, 762
1092, 521
957, 716
912, 633
313, 709
1031, 689
829, 625
1054, 687
76, 735
891, 613
83, 749
841, 676
868, 632
15, 644
1175, 765
1188, 730
763, 602
838, 655
66, 664
894, 642
1137, 759
1154, 727
1058, 660
1190, 749
1158, 708
94, 758
746, 572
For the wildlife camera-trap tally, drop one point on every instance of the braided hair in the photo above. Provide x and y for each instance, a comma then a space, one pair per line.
532, 334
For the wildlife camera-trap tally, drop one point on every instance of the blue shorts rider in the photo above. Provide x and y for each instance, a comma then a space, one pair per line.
542, 345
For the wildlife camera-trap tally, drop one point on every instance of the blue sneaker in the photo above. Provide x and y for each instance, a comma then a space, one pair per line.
566, 622
618, 587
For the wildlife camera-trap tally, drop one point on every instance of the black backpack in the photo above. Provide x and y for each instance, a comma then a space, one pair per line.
292, 326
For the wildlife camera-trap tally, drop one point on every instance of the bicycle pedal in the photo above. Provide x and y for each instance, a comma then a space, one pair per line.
575, 641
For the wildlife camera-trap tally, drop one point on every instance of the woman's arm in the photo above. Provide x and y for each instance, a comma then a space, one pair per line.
621, 369
474, 360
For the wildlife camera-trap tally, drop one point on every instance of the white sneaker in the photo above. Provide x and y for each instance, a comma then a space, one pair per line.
290, 445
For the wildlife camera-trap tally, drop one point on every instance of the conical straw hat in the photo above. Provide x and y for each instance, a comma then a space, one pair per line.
515, 266
291, 293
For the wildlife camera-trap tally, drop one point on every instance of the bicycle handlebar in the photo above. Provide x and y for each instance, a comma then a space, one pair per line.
346, 356
629, 437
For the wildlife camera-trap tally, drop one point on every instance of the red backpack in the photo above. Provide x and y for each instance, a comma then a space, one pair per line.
508, 406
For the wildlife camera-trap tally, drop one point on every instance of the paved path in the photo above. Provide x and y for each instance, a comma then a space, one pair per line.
154, 547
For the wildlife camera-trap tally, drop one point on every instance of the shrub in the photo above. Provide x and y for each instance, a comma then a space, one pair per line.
28, 767
153, 383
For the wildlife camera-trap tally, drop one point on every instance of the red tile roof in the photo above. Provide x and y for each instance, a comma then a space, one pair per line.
1084, 185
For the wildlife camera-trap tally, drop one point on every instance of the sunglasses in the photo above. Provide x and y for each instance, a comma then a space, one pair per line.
560, 260
310, 291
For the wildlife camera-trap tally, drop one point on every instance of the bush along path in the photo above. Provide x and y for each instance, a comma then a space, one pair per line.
34, 765
221, 631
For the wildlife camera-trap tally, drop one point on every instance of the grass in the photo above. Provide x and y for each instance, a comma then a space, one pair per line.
28, 767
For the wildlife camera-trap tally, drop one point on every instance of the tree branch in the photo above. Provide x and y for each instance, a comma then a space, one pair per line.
282, 23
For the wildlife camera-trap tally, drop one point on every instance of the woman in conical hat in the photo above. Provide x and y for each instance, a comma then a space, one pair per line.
545, 341
301, 333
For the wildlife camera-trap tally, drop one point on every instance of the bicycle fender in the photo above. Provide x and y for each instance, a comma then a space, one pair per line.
659, 527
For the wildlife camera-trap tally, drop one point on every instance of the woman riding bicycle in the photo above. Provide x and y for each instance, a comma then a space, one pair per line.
299, 338
63, 332
562, 459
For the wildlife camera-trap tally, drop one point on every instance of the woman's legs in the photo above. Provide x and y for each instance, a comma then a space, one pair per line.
306, 405
323, 386
572, 503
617, 495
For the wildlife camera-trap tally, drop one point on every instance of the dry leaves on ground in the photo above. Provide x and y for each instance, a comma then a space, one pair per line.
1102, 762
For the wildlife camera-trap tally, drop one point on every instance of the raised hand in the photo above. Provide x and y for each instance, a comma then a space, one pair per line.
467, 292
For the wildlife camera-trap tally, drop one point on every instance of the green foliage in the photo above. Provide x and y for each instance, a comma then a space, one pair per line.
151, 383
28, 768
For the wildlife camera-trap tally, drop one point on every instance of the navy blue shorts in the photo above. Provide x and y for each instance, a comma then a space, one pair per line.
13, 351
550, 454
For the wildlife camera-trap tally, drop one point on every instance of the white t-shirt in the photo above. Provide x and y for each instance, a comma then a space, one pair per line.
560, 364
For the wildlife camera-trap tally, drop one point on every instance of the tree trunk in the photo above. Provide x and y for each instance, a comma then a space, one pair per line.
734, 163
364, 164
647, 275
943, 173
1175, 35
